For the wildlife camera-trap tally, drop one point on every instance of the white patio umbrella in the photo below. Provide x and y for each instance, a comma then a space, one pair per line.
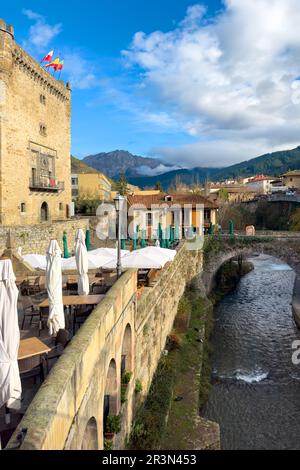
70, 263
137, 260
102, 256
10, 383
158, 253
36, 261
108, 252
82, 263
56, 320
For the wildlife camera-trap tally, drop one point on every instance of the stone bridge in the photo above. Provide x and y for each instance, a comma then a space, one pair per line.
127, 330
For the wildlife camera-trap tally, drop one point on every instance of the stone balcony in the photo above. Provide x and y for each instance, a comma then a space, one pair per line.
43, 184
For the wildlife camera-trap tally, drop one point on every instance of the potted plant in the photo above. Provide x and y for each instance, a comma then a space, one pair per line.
113, 425
108, 436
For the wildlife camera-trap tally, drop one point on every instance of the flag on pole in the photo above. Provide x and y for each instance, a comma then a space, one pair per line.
48, 57
60, 65
53, 64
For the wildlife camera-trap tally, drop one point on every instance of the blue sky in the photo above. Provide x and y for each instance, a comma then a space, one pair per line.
196, 84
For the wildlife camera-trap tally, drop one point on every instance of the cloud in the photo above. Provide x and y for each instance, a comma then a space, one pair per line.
159, 170
81, 72
229, 82
40, 33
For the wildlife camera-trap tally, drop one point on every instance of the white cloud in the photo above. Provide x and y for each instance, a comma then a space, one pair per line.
160, 169
40, 33
78, 70
230, 81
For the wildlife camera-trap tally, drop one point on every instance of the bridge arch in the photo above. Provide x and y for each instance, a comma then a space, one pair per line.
110, 403
126, 353
90, 437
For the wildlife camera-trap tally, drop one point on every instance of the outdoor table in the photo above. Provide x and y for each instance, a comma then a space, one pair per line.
32, 347
75, 301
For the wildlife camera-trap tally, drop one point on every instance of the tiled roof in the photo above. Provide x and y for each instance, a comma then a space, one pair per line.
292, 173
234, 189
260, 178
177, 198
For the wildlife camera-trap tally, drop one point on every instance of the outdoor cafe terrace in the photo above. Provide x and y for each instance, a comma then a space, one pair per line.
39, 350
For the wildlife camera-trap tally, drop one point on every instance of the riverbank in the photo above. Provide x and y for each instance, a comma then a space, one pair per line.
170, 419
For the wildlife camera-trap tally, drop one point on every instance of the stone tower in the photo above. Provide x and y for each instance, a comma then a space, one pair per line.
35, 138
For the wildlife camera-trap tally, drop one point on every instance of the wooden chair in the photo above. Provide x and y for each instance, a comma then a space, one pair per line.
31, 368
61, 342
80, 315
29, 310
31, 286
98, 289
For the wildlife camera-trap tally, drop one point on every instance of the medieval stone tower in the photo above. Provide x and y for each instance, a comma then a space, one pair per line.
35, 138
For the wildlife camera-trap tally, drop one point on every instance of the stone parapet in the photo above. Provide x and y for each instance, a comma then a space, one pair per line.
36, 238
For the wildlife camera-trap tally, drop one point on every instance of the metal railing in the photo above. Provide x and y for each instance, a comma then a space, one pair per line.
50, 184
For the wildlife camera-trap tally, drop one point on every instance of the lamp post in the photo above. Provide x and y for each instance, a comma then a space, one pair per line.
118, 200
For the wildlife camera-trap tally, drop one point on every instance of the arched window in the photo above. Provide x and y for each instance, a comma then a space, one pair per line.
110, 405
44, 212
126, 358
90, 438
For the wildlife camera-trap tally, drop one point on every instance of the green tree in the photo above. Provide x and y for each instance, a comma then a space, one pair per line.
223, 194
158, 186
122, 185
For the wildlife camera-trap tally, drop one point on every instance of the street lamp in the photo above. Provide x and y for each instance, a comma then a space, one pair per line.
118, 200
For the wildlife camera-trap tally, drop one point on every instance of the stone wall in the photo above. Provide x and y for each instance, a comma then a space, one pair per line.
36, 238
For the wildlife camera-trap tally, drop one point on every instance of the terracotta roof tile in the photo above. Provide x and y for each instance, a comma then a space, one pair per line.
177, 198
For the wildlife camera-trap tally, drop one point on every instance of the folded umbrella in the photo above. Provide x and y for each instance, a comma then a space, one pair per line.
10, 383
56, 320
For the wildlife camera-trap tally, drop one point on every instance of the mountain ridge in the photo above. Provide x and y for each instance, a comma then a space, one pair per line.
121, 161
271, 164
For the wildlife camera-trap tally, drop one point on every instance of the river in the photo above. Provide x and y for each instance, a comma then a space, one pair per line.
255, 395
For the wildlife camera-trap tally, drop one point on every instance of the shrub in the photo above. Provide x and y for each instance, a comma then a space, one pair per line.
108, 444
113, 424
174, 342
126, 377
138, 386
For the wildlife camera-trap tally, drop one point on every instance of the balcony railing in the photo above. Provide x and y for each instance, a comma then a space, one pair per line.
50, 184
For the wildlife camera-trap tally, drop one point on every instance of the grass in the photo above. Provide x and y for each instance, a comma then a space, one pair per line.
186, 354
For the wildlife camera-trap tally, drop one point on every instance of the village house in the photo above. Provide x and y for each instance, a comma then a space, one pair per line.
234, 193
35, 137
91, 186
292, 179
261, 184
186, 210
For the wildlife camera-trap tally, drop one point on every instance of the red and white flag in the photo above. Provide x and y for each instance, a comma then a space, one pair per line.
48, 57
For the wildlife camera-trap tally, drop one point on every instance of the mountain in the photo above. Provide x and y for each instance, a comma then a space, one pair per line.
273, 164
77, 166
120, 161
195, 176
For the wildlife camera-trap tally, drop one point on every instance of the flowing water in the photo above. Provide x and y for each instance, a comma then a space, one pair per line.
255, 395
